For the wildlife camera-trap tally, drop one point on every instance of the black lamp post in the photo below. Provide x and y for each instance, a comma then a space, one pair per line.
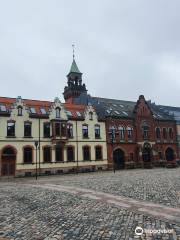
36, 145
112, 138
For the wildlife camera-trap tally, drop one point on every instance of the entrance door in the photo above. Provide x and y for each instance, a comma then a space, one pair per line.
146, 155
118, 158
8, 162
169, 154
147, 158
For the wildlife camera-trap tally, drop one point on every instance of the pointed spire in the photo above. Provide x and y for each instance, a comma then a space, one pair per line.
74, 68
73, 50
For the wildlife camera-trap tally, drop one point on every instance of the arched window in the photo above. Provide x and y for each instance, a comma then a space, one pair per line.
19, 108
164, 133
122, 132
28, 154
70, 154
97, 131
130, 132
86, 153
85, 131
90, 115
98, 153
171, 133
47, 154
58, 110
158, 133
70, 130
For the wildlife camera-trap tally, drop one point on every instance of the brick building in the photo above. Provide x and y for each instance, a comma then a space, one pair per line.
84, 134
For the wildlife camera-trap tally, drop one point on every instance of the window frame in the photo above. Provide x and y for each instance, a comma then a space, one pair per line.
89, 153
25, 130
101, 153
50, 154
97, 131
73, 153
32, 155
14, 129
85, 132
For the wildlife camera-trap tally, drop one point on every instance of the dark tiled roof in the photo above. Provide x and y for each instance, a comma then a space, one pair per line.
115, 108
174, 111
121, 108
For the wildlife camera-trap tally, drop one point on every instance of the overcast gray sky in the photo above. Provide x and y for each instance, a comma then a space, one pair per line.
123, 47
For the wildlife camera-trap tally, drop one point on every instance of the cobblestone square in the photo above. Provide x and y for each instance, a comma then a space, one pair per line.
100, 205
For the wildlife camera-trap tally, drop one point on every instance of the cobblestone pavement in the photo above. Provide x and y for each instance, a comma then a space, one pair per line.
159, 185
28, 212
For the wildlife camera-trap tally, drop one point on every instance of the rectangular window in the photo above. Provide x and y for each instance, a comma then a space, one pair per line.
47, 154
57, 129
28, 155
97, 131
145, 132
85, 131
46, 130
86, 154
27, 129
59, 154
129, 131
98, 152
122, 133
11, 129
63, 129
70, 154
70, 130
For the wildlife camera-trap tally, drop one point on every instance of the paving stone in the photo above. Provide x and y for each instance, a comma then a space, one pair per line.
28, 213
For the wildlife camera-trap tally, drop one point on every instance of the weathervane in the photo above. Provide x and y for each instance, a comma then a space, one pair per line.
73, 50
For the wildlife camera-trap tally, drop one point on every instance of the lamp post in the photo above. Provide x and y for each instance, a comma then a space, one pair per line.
112, 138
36, 145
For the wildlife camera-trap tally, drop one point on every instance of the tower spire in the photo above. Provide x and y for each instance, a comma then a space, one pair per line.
73, 46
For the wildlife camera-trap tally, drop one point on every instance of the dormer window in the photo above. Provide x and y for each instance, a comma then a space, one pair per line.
90, 115
58, 112
19, 111
33, 110
3, 108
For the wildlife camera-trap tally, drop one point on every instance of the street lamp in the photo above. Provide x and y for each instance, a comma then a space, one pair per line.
112, 138
36, 145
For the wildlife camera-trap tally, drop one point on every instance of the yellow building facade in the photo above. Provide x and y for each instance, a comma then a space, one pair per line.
40, 137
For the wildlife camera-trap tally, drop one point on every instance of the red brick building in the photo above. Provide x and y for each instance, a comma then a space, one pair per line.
139, 134
143, 137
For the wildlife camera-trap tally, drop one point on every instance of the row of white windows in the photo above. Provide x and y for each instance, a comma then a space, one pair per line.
46, 130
